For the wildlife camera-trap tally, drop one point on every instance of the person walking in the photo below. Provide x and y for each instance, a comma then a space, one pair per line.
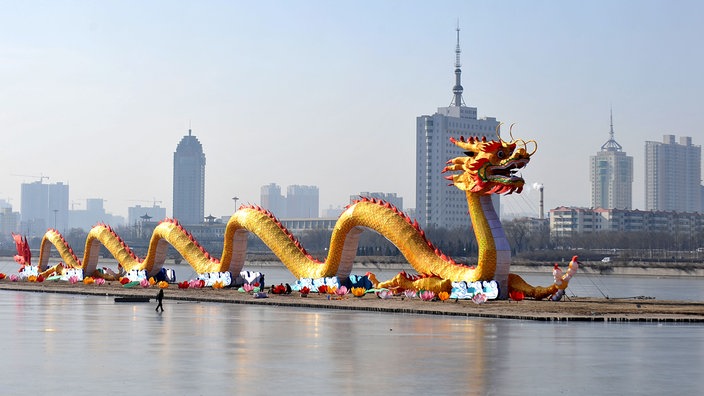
159, 298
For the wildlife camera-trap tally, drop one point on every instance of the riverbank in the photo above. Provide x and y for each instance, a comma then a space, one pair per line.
570, 309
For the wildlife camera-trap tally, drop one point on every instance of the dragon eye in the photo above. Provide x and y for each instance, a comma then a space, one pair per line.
501, 154
469, 153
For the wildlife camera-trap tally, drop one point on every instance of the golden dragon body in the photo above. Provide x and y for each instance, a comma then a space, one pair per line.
488, 168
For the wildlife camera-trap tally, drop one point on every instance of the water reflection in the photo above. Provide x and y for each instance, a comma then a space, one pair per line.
201, 348
349, 351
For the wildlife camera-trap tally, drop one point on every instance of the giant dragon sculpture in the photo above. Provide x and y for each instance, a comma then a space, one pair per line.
488, 167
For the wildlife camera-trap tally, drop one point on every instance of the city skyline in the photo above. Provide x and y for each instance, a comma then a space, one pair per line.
327, 94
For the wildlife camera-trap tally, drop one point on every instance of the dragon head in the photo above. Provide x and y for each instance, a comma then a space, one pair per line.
489, 167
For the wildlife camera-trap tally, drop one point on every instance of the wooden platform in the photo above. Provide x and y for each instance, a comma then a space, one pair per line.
572, 309
131, 299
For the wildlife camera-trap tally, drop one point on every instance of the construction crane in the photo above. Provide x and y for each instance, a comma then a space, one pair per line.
41, 177
154, 201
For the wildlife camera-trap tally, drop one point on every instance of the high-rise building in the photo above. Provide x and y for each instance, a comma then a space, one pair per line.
93, 214
611, 176
34, 206
272, 200
9, 220
437, 204
673, 175
302, 202
43, 206
391, 198
189, 181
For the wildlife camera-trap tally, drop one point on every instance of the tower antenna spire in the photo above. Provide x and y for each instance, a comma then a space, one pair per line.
457, 48
611, 144
457, 89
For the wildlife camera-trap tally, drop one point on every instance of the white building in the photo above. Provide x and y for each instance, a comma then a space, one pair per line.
673, 175
569, 221
437, 204
611, 175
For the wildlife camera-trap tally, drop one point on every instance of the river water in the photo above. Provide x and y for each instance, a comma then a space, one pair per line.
86, 345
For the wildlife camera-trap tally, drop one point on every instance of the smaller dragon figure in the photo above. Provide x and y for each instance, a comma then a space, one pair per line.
24, 254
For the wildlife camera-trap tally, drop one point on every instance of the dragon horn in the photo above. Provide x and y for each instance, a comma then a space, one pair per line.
525, 145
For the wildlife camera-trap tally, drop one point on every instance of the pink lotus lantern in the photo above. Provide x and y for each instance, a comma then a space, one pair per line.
426, 295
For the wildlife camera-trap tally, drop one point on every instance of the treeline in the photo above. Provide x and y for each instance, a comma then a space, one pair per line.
534, 243
527, 240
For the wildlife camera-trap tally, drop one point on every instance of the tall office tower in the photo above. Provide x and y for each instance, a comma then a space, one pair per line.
612, 176
437, 204
9, 220
189, 181
34, 204
43, 206
58, 206
673, 175
302, 202
391, 198
271, 199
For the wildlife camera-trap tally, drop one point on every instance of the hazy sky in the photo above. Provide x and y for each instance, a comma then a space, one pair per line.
98, 94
